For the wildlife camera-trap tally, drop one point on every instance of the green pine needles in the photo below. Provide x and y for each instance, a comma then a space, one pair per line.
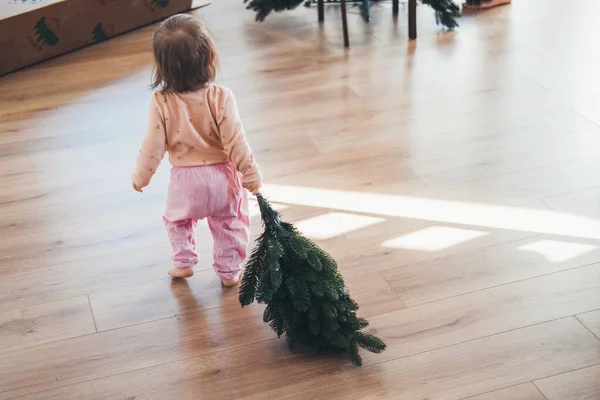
305, 295
446, 12
265, 7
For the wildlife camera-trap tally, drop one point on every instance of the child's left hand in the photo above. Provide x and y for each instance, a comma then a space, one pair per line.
136, 187
253, 187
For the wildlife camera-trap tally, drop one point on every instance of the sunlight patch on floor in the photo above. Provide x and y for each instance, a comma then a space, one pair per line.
330, 225
558, 251
438, 210
433, 238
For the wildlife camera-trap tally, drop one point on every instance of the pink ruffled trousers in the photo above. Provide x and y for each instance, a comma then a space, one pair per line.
213, 192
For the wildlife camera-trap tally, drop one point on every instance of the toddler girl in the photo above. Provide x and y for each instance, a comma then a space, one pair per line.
198, 124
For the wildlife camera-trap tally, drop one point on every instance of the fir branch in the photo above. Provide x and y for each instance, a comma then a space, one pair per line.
355, 358
446, 12
369, 342
249, 283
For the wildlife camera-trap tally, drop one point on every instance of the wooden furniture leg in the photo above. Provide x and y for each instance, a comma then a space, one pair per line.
321, 10
345, 23
395, 7
412, 19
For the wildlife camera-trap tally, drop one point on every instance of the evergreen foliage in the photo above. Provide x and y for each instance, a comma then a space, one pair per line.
305, 296
264, 7
446, 11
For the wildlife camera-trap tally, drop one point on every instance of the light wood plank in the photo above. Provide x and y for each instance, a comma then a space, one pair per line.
111, 271
583, 202
539, 182
227, 374
373, 294
81, 277
82, 244
406, 113
44, 323
511, 132
483, 268
582, 384
44, 219
447, 171
459, 371
526, 391
592, 321
476, 315
164, 298
104, 354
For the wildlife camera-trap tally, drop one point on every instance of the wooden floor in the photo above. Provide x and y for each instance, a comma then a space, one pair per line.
455, 179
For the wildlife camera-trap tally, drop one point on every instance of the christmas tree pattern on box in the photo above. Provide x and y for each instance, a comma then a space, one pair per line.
154, 4
101, 33
44, 33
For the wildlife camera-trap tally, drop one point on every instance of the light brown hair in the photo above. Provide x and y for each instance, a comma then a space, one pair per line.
185, 55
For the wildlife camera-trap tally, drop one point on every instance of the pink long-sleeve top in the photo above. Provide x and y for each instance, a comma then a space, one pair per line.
195, 128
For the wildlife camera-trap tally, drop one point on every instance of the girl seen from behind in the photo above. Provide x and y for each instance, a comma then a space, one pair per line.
198, 125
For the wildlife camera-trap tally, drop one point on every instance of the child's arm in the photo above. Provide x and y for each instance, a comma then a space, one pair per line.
237, 147
153, 148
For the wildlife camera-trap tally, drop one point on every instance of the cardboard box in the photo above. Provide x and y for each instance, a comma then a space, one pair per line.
35, 30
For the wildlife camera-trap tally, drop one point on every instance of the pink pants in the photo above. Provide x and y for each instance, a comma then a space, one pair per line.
214, 192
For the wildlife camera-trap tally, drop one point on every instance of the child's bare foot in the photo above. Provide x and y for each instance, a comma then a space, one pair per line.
482, 6
233, 281
177, 272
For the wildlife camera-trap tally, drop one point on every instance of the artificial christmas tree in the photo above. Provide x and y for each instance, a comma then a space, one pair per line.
304, 293
446, 11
